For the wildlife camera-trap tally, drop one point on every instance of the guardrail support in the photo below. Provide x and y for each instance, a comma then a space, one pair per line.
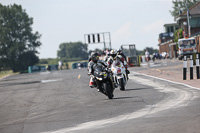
185, 68
191, 66
197, 66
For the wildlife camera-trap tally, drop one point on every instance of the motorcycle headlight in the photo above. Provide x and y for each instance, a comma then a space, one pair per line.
99, 78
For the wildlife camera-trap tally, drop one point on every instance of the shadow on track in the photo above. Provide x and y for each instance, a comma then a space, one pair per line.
136, 89
19, 83
122, 97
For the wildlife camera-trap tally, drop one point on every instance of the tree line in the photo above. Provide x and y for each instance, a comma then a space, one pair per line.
180, 6
79, 50
18, 43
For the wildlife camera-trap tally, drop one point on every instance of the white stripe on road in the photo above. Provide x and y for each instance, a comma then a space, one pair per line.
179, 99
167, 80
50, 80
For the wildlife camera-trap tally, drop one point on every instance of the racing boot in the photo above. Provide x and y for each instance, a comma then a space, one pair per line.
91, 84
115, 85
127, 72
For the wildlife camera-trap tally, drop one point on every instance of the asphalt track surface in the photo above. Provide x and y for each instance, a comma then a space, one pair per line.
62, 102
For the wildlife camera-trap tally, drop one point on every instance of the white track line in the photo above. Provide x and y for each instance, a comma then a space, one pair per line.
166, 80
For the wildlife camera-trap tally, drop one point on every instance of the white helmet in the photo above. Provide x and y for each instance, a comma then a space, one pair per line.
113, 53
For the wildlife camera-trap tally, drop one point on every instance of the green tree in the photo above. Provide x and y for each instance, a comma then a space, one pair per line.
181, 5
26, 59
178, 34
73, 50
139, 52
17, 41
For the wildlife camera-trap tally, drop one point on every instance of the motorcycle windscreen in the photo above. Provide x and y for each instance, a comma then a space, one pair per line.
116, 64
98, 69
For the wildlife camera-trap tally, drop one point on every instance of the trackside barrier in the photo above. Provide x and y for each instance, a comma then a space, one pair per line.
82, 64
191, 67
32, 69
52, 67
197, 66
139, 60
74, 65
185, 68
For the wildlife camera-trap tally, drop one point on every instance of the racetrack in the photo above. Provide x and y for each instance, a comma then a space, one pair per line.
62, 102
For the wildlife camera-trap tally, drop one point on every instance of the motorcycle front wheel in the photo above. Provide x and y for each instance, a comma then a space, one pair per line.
121, 82
108, 90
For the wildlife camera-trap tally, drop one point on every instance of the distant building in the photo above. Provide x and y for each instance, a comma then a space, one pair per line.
169, 32
166, 43
166, 39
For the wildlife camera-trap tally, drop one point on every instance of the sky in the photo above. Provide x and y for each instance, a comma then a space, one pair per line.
136, 22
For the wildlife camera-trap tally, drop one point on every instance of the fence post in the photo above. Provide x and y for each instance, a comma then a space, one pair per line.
191, 66
197, 66
185, 68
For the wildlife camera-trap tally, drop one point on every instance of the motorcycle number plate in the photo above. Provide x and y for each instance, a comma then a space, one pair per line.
118, 70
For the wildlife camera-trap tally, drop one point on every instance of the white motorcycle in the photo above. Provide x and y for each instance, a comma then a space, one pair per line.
119, 74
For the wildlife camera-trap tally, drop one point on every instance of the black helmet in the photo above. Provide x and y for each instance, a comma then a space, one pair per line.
119, 51
95, 57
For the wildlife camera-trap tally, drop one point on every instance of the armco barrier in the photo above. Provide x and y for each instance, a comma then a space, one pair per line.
32, 69
83, 64
42, 68
52, 67
74, 65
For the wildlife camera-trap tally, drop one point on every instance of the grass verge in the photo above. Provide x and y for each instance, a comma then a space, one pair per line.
6, 73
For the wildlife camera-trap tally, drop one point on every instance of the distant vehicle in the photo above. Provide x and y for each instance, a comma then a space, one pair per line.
187, 46
130, 52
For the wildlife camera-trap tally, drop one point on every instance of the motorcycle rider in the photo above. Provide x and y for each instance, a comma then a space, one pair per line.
94, 62
113, 56
107, 55
89, 59
147, 56
119, 52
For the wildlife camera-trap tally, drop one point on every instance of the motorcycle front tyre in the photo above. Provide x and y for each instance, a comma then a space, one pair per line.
121, 83
108, 90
